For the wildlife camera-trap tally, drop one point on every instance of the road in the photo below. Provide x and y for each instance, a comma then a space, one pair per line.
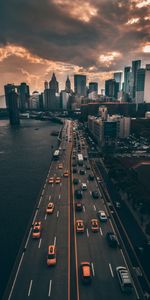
33, 278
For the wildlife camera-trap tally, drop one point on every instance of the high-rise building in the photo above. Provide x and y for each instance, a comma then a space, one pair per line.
140, 81
46, 84
127, 71
8, 88
111, 88
24, 94
118, 79
53, 84
136, 64
64, 97
68, 85
13, 110
93, 87
80, 85
147, 84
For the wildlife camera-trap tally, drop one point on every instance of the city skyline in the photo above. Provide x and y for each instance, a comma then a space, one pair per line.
58, 36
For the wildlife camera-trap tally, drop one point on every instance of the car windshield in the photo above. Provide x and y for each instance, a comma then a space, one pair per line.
51, 256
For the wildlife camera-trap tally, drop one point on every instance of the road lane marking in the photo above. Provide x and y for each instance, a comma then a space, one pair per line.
40, 243
40, 201
90, 193
43, 192
93, 271
101, 232
59, 196
111, 271
35, 216
28, 238
52, 184
44, 185
16, 276
94, 207
57, 213
83, 208
50, 287
61, 184
45, 217
87, 232
55, 241
49, 197
30, 287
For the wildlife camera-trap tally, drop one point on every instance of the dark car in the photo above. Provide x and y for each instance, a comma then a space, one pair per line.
79, 206
75, 181
82, 172
74, 170
74, 164
74, 157
91, 177
78, 194
95, 194
112, 239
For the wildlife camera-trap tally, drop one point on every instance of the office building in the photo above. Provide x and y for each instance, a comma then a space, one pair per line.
140, 82
147, 84
136, 64
24, 95
127, 83
64, 97
53, 84
111, 88
51, 96
8, 88
118, 79
13, 110
68, 85
80, 85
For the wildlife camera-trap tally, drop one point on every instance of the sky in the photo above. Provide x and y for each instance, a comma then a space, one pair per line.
94, 37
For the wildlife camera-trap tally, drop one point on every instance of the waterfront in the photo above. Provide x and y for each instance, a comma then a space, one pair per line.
25, 155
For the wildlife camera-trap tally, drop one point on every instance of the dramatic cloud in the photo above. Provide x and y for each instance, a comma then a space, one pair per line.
96, 37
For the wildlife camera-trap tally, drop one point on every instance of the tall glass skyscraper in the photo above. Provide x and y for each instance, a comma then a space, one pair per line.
136, 64
140, 81
80, 85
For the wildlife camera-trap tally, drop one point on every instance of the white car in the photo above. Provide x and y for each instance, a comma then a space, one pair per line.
84, 186
124, 279
102, 216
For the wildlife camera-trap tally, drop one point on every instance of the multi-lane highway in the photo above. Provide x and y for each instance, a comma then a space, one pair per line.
34, 279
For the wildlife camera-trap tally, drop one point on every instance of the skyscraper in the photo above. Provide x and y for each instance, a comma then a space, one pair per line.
8, 88
12, 98
111, 88
136, 64
53, 84
118, 79
147, 84
24, 95
127, 71
80, 85
68, 85
93, 87
140, 81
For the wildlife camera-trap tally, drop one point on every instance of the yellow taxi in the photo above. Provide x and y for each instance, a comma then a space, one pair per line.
57, 180
36, 232
51, 180
50, 208
60, 166
66, 173
94, 225
79, 226
51, 256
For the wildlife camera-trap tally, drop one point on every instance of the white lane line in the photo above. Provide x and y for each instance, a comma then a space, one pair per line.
52, 184
55, 241
40, 201
87, 181
94, 207
40, 243
45, 217
90, 193
43, 192
44, 185
87, 232
50, 287
111, 271
57, 213
30, 287
101, 232
49, 197
35, 216
59, 196
28, 238
93, 271
16, 276
61, 184
83, 208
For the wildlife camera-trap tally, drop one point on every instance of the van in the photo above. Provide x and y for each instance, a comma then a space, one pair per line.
124, 279
84, 186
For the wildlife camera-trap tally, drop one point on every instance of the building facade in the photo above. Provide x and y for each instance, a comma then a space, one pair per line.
140, 82
147, 84
80, 85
